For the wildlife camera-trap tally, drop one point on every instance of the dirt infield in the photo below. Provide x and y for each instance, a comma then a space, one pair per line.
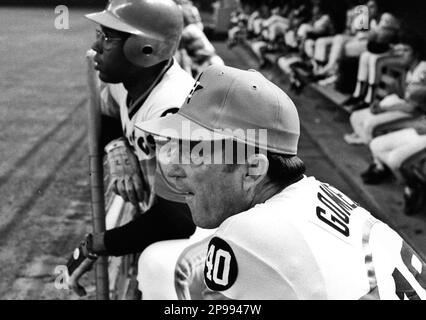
43, 173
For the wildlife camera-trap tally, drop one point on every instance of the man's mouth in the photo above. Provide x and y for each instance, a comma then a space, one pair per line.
189, 196
96, 67
177, 184
187, 193
97, 63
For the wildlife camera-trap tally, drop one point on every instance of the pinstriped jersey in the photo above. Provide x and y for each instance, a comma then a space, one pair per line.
311, 241
168, 94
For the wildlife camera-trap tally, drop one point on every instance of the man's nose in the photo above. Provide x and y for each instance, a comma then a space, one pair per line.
97, 46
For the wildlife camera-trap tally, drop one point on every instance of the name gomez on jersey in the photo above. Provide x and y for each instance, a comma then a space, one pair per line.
311, 241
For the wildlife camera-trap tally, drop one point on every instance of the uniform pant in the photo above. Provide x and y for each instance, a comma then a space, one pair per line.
303, 30
371, 64
394, 148
322, 47
370, 70
309, 47
284, 63
233, 32
363, 121
336, 47
367, 71
257, 48
277, 28
257, 26
354, 47
290, 39
333, 45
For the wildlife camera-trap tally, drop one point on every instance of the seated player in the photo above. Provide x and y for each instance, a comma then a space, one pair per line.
281, 234
196, 45
393, 107
143, 82
379, 45
351, 43
389, 151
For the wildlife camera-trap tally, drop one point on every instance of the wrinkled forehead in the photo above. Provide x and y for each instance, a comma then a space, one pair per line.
177, 144
227, 151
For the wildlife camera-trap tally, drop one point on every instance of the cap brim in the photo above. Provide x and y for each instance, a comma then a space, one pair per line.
176, 126
107, 19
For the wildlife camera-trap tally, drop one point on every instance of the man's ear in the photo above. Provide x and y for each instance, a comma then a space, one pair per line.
257, 168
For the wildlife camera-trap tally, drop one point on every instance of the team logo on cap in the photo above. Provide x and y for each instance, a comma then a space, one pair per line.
221, 268
197, 86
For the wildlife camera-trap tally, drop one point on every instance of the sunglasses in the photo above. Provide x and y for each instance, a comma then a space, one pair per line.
106, 41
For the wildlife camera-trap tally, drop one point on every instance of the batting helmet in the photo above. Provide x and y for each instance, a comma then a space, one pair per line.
155, 28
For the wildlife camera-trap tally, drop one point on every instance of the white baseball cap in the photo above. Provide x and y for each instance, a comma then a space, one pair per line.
226, 103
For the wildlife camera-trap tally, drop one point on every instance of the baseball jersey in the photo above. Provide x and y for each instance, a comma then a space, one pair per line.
168, 94
310, 241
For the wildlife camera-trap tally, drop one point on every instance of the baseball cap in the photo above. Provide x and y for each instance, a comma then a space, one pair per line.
109, 18
229, 103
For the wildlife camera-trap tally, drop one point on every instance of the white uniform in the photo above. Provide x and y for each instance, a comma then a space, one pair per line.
364, 121
309, 242
168, 94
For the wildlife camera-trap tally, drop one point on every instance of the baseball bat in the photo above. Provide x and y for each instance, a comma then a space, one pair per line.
96, 173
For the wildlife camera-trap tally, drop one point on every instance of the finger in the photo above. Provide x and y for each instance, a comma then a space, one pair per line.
130, 190
110, 187
139, 187
113, 185
79, 289
122, 189
73, 279
76, 287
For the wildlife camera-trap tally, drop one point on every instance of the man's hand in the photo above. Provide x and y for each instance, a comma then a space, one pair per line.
73, 279
79, 263
126, 176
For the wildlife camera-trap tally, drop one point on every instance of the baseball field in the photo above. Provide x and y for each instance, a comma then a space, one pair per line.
43, 170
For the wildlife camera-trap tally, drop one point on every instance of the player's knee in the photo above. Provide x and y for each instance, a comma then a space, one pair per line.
355, 118
285, 63
376, 147
340, 38
152, 270
363, 65
147, 265
395, 159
